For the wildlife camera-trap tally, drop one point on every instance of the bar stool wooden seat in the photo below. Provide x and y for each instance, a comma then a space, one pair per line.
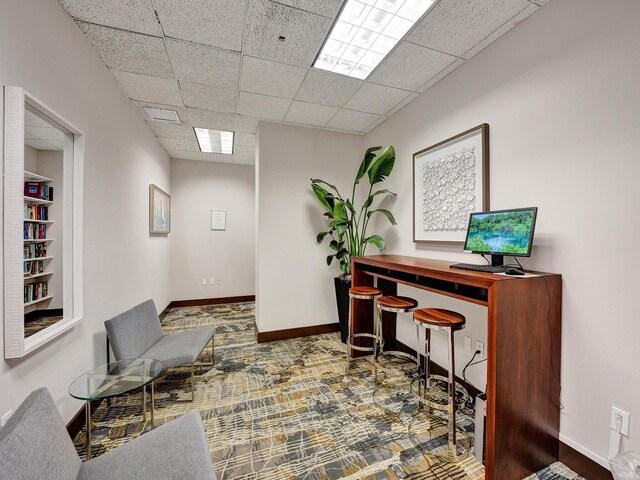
362, 293
451, 322
394, 304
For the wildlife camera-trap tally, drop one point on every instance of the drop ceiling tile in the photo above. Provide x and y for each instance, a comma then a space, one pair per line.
326, 88
409, 66
206, 97
201, 156
440, 75
454, 27
304, 33
540, 2
310, 114
529, 10
261, 106
270, 78
213, 120
181, 111
246, 124
244, 155
326, 8
374, 98
245, 139
133, 15
204, 64
211, 22
375, 124
128, 51
149, 89
40, 144
177, 132
45, 133
352, 120
341, 130
402, 104
182, 145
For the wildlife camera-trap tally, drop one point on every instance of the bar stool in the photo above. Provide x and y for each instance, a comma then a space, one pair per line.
362, 293
440, 319
394, 304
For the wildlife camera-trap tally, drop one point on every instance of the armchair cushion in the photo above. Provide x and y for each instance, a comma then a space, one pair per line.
135, 331
175, 451
35, 444
181, 348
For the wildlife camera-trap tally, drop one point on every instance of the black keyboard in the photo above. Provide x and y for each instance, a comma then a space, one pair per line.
480, 268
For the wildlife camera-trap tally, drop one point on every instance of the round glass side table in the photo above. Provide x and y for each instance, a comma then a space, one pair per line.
113, 379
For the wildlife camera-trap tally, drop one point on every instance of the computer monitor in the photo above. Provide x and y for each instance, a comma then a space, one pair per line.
501, 232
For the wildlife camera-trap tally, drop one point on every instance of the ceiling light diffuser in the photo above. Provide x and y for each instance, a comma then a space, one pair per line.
214, 141
365, 32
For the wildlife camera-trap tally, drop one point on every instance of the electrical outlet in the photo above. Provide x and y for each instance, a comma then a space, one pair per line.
212, 281
5, 418
467, 343
618, 417
204, 282
480, 346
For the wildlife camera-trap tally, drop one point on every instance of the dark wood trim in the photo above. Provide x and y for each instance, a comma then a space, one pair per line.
583, 465
77, 423
37, 314
210, 301
276, 335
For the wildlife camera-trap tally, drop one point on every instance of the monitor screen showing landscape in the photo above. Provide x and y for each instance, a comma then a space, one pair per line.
505, 232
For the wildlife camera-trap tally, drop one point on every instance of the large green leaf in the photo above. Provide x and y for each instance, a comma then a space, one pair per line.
329, 259
386, 213
369, 200
321, 236
383, 166
376, 240
335, 245
340, 225
366, 161
342, 253
339, 212
318, 181
321, 193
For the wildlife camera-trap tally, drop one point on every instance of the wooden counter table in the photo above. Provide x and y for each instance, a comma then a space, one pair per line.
524, 333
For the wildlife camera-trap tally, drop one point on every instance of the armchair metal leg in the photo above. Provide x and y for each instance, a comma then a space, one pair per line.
193, 384
144, 403
153, 405
213, 354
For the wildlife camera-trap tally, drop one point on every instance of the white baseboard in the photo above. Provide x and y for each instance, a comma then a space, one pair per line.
584, 451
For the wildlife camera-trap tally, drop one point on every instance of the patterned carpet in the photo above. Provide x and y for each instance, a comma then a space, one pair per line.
285, 410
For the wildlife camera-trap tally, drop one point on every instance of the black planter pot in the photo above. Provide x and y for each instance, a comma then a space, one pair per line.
342, 299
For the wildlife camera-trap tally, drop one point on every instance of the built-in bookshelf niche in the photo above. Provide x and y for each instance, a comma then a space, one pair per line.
42, 199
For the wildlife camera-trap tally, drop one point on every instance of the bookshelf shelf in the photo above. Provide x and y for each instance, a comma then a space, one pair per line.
40, 222
37, 201
36, 258
34, 177
43, 299
38, 240
37, 275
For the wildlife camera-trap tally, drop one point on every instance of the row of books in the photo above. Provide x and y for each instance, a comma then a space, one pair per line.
35, 231
35, 250
38, 190
36, 212
35, 291
33, 268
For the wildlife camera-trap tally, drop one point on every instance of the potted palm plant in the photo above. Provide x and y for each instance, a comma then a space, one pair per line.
347, 223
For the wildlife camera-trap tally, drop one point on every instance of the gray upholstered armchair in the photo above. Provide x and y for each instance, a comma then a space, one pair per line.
137, 333
34, 444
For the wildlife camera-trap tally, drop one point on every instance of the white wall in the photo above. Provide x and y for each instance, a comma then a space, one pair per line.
197, 252
294, 284
123, 265
560, 93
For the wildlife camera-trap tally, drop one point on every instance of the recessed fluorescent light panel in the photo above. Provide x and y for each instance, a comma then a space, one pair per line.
162, 114
366, 31
214, 141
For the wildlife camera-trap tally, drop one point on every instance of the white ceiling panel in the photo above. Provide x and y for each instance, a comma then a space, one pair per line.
402, 104
540, 2
42, 144
206, 97
529, 10
134, 15
211, 22
245, 139
201, 156
176, 144
304, 33
270, 78
244, 155
149, 89
352, 120
375, 124
177, 132
212, 120
204, 64
45, 133
246, 124
261, 106
310, 114
327, 88
326, 8
440, 75
181, 111
409, 65
454, 27
129, 51
374, 98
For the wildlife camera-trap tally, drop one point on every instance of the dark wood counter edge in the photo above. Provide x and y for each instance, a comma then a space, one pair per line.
275, 335
583, 465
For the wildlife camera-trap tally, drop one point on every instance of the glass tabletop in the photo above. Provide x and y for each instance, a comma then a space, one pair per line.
115, 378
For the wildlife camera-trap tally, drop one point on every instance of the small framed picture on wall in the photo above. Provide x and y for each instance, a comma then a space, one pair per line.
218, 219
159, 210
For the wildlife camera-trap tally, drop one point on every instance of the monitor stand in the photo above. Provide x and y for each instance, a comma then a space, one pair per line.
497, 260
